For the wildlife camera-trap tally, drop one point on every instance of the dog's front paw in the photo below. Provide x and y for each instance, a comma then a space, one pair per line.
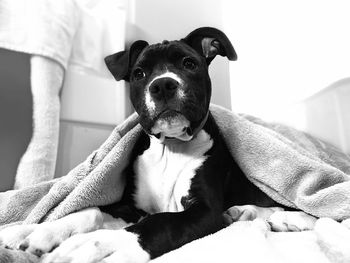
49, 235
100, 246
248, 213
12, 236
44, 238
39, 239
282, 221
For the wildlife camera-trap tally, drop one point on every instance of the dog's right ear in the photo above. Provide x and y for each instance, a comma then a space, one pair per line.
209, 42
121, 63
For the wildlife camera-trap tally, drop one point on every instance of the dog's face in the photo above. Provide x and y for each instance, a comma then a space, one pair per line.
170, 87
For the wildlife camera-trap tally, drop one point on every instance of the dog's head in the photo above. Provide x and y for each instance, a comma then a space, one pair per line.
169, 81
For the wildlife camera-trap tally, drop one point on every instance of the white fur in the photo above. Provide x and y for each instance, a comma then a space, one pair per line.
279, 220
164, 172
172, 128
150, 104
167, 74
47, 235
180, 94
100, 246
283, 221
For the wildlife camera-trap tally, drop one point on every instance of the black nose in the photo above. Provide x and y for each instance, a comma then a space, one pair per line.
163, 88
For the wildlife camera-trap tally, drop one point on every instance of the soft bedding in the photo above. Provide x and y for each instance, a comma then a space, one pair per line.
293, 168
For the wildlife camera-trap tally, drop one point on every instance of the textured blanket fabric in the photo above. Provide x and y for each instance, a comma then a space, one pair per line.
290, 166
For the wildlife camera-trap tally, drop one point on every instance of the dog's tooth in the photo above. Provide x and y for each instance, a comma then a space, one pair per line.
162, 137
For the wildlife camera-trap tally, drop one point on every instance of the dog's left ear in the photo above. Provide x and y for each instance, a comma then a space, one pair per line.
209, 42
120, 64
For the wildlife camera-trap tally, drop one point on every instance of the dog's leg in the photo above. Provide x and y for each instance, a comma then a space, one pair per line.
149, 238
42, 238
172, 230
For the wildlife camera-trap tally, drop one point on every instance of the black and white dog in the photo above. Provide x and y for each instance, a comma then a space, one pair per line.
181, 176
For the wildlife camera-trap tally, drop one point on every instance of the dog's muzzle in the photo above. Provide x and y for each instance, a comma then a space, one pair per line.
175, 126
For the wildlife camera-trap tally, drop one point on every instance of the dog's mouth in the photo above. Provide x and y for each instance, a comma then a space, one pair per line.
171, 124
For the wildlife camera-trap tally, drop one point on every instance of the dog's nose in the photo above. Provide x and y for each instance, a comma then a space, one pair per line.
163, 88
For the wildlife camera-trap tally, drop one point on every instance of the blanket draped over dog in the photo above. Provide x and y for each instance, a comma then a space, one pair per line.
290, 166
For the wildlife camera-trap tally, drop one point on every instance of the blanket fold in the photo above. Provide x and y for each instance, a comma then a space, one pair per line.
91, 183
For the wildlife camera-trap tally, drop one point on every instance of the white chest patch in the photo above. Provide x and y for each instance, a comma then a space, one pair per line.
164, 173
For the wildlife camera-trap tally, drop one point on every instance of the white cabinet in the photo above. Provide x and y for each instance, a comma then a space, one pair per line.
327, 114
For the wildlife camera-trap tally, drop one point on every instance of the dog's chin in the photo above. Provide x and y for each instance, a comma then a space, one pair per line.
174, 126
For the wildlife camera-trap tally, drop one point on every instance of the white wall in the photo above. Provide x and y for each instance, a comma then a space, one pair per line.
287, 50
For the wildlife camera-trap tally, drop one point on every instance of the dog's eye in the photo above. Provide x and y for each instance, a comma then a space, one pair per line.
139, 74
189, 63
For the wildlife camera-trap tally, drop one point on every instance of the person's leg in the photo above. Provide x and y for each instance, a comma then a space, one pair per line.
39, 161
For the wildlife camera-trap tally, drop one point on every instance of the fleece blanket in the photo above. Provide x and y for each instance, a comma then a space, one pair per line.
290, 166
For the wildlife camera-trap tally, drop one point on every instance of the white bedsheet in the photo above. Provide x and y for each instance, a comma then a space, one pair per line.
252, 241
